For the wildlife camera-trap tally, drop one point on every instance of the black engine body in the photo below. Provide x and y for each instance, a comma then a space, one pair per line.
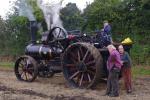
43, 52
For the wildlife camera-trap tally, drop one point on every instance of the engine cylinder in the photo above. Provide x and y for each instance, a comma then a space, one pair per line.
40, 51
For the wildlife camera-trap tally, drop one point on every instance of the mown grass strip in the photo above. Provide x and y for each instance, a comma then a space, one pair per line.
6, 64
140, 71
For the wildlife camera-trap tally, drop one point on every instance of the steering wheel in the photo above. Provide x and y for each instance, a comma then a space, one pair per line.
58, 33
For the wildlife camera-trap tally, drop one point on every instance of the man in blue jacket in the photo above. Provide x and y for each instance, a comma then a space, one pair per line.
107, 30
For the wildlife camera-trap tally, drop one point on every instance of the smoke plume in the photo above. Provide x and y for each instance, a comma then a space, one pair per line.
51, 12
25, 10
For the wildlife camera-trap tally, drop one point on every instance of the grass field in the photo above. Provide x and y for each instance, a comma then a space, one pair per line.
136, 70
6, 64
141, 70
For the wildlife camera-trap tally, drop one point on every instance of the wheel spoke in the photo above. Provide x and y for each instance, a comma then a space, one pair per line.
26, 76
20, 69
25, 61
22, 75
30, 72
91, 72
20, 72
58, 36
89, 77
74, 75
21, 65
81, 79
85, 55
30, 76
81, 52
79, 58
90, 63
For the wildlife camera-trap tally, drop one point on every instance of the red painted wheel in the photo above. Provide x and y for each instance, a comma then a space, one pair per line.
82, 65
26, 69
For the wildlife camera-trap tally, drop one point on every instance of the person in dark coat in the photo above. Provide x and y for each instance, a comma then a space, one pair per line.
126, 70
107, 30
105, 36
114, 65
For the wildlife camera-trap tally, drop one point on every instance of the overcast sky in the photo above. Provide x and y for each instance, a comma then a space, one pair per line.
5, 5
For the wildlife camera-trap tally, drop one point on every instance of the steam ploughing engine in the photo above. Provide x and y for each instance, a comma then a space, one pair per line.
79, 57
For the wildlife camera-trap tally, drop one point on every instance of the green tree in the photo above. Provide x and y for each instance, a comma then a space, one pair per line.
99, 11
3, 36
19, 34
71, 17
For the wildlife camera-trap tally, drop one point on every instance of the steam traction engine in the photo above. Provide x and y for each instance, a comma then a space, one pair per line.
80, 59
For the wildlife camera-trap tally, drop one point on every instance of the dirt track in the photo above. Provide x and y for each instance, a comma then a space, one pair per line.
56, 89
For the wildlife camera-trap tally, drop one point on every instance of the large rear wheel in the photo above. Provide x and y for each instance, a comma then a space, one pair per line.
82, 65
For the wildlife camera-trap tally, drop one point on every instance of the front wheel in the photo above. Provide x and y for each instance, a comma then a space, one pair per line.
26, 69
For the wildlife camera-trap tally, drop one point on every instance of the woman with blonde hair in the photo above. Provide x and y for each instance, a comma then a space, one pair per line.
114, 66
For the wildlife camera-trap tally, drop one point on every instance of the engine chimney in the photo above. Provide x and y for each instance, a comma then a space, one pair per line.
33, 31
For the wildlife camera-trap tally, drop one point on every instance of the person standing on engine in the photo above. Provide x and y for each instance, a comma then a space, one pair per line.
107, 30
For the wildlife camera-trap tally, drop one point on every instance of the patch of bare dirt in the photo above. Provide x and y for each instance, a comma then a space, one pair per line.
56, 88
